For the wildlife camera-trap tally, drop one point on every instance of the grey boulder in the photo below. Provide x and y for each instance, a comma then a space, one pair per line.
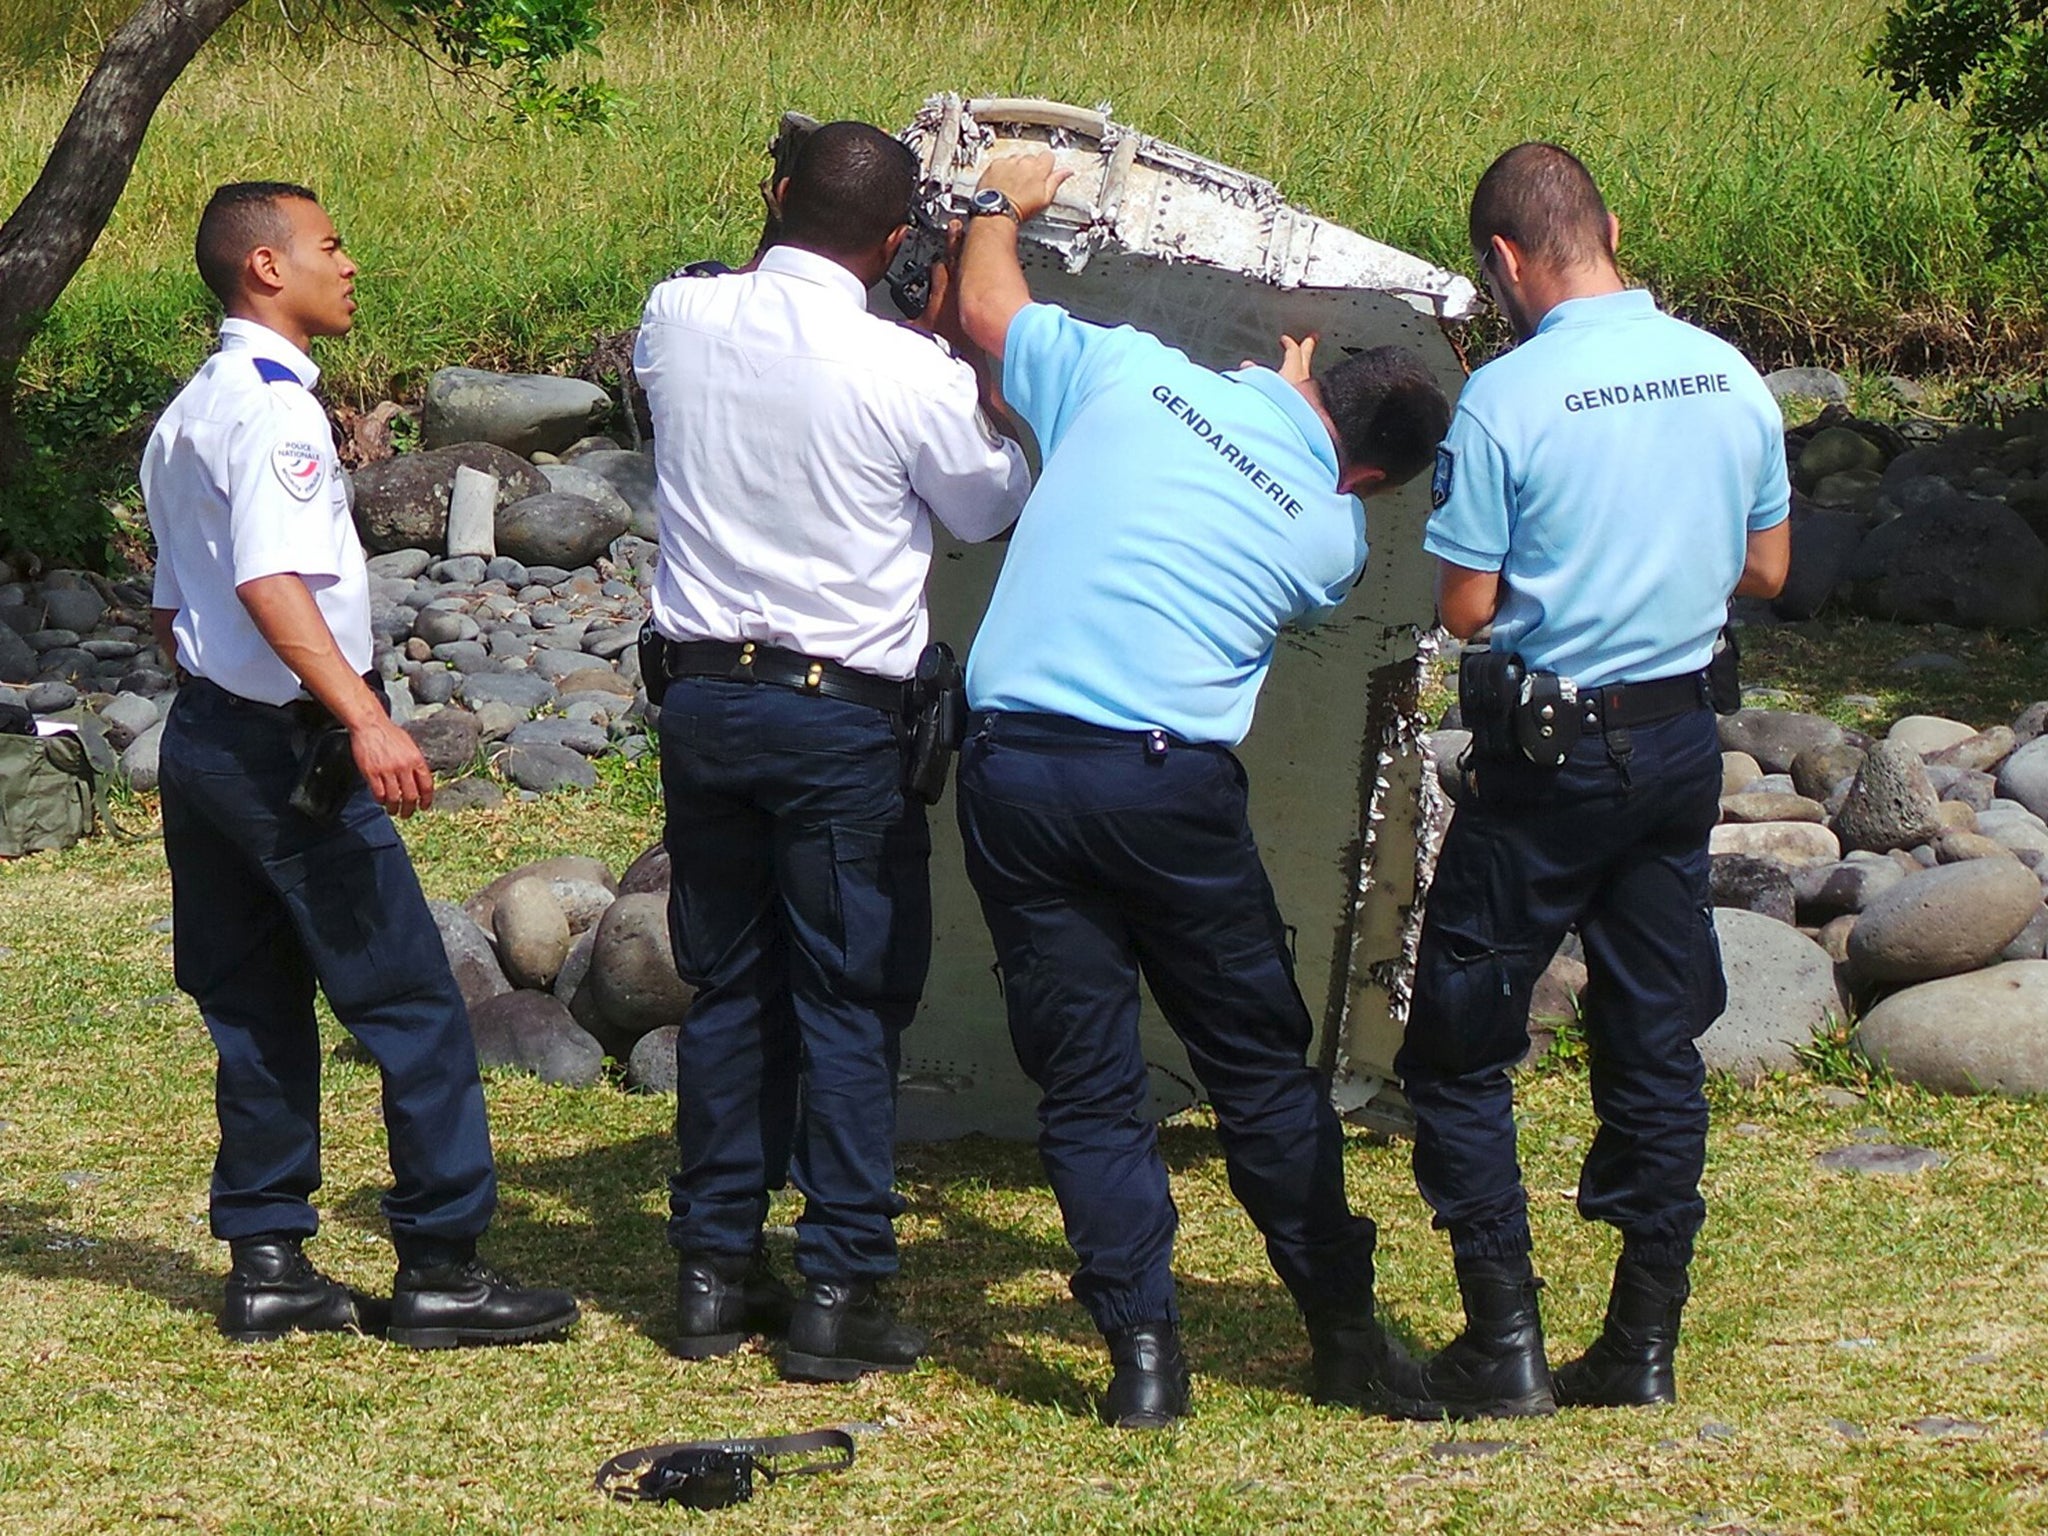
139, 758
525, 412
470, 955
1941, 921
632, 476
1827, 891
1891, 804
402, 503
532, 931
579, 480
1781, 992
633, 978
1774, 737
1753, 884
1963, 561
1822, 384
125, 717
556, 528
447, 739
533, 1032
1979, 752
522, 691
1986, 1032
1824, 541
563, 866
2024, 776
545, 769
647, 874
652, 1066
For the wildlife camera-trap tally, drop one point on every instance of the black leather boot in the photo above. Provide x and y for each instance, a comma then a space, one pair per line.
840, 1332
1150, 1387
1353, 1364
273, 1290
1495, 1369
724, 1298
464, 1301
1630, 1364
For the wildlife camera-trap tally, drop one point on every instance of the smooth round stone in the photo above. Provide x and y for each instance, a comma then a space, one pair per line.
139, 759
577, 736
575, 966
1825, 891
632, 970
126, 716
1739, 771
464, 655
522, 691
465, 794
1826, 771
533, 1032
78, 610
1775, 737
563, 866
434, 685
1787, 842
1759, 806
468, 570
1983, 1032
447, 739
54, 638
504, 568
1954, 816
496, 720
546, 768
1880, 1158
558, 527
47, 698
652, 1066
400, 565
510, 644
1924, 734
583, 902
589, 679
1754, 885
1979, 753
2032, 943
555, 663
1959, 847
478, 975
532, 931
442, 626
110, 650
1781, 991
647, 874
1942, 921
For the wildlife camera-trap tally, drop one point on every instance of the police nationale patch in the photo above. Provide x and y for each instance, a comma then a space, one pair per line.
301, 466
1440, 482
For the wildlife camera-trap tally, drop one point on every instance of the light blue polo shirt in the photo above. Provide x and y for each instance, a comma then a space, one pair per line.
1183, 517
1611, 468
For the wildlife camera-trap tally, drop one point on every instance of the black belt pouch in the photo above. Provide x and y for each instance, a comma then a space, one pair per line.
1489, 689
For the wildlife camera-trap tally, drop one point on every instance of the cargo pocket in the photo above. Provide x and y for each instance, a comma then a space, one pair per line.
1465, 1016
352, 897
1709, 981
882, 909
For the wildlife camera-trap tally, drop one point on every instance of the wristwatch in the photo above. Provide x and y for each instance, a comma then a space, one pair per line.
989, 201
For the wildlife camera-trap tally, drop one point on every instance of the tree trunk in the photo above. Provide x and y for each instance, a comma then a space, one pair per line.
48, 236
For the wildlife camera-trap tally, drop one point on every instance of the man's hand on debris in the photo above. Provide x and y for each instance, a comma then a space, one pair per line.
1030, 180
1295, 357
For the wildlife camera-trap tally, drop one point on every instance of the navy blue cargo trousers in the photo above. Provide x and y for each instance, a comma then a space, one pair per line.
266, 903
800, 910
1099, 858
1616, 844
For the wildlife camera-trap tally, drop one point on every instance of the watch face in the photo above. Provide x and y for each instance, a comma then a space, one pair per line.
989, 200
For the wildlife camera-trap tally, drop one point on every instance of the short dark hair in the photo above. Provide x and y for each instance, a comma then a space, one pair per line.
1543, 199
1387, 409
239, 217
849, 190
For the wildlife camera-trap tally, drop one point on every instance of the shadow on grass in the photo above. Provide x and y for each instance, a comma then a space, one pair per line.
615, 1254
36, 1244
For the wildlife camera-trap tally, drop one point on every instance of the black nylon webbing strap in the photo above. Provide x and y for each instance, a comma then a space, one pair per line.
656, 1473
1620, 705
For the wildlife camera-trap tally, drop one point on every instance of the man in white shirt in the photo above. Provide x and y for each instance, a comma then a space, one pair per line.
802, 448
281, 878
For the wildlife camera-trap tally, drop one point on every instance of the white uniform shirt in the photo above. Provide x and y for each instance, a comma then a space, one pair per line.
801, 447
241, 481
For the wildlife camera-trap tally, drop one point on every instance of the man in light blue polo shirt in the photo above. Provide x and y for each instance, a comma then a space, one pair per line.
1183, 518
1604, 488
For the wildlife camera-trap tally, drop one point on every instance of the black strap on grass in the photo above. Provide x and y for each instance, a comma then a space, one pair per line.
711, 1474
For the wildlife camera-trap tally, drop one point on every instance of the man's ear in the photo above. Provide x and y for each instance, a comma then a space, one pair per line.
775, 194
1507, 260
264, 269
1613, 235
1361, 480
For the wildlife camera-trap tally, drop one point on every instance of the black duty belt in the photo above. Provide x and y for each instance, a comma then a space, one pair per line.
1620, 705
307, 714
749, 661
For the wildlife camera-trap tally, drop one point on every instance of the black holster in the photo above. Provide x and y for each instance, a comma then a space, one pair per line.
938, 721
1513, 712
653, 663
1724, 673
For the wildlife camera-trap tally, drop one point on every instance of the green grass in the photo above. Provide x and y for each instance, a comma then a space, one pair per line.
1820, 1297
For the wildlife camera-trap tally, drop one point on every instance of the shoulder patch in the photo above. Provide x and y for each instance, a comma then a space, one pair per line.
1440, 482
270, 371
301, 467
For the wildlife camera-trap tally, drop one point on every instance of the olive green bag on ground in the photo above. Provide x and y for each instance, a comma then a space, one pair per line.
51, 792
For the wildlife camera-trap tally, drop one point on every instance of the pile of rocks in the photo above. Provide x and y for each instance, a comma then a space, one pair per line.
1919, 524
563, 966
519, 656
1896, 880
